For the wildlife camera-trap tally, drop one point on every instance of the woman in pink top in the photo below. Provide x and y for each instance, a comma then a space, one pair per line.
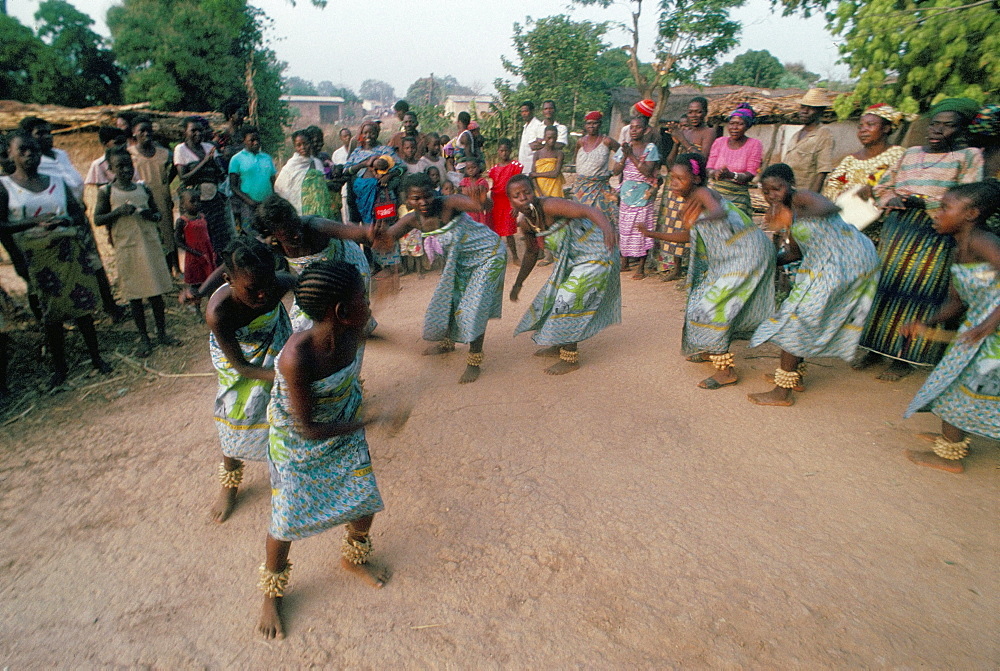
734, 160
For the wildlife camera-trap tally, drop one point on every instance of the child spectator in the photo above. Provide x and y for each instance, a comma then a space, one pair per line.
547, 173
433, 156
408, 152
434, 175
130, 210
502, 217
154, 168
110, 138
251, 175
191, 234
475, 187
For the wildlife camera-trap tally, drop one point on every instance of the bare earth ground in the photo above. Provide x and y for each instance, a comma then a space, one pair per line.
616, 517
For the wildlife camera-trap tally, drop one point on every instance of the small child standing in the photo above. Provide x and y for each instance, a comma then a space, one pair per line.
502, 220
433, 157
964, 388
321, 471
549, 180
98, 175
408, 152
411, 246
129, 210
191, 235
476, 187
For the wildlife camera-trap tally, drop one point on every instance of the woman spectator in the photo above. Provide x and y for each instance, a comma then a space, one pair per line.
637, 162
914, 258
199, 167
733, 161
863, 169
374, 172
593, 176
301, 181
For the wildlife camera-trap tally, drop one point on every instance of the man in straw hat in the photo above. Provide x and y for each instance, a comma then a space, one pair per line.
810, 151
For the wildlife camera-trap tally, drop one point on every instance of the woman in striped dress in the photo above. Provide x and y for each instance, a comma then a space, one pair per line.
914, 258
637, 163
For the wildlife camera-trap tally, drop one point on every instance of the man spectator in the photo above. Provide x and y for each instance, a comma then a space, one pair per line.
533, 130
809, 152
549, 119
410, 124
401, 108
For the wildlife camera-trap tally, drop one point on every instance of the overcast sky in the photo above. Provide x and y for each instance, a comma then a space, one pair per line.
398, 42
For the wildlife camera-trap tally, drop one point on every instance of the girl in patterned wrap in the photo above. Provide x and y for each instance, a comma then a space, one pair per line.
470, 292
321, 472
964, 388
637, 162
249, 327
731, 276
833, 288
583, 294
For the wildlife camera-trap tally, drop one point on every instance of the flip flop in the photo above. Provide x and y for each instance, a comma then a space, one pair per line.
712, 384
700, 357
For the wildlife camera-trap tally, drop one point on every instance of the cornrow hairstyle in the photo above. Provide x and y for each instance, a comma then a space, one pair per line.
689, 161
781, 171
324, 284
249, 255
984, 196
275, 214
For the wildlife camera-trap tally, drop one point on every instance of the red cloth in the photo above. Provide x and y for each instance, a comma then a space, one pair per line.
197, 268
503, 222
484, 216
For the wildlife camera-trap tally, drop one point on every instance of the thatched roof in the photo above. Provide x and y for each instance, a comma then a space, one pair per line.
69, 119
771, 106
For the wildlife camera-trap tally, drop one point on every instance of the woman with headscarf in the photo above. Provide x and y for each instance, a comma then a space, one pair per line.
862, 170
914, 258
301, 181
733, 161
593, 175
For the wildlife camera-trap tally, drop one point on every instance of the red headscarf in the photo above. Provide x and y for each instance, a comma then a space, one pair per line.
593, 116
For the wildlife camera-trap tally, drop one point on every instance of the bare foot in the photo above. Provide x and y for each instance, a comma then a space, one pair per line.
722, 378
561, 368
440, 348
640, 274
865, 361
895, 372
929, 436
932, 460
471, 374
372, 574
548, 352
270, 625
777, 396
223, 506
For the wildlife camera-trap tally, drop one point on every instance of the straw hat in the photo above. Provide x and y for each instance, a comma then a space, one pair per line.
815, 98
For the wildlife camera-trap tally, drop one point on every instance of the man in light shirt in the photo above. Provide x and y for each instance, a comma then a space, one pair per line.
549, 119
533, 131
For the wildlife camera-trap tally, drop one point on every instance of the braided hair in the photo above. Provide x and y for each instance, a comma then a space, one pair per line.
695, 164
984, 196
324, 284
249, 255
275, 214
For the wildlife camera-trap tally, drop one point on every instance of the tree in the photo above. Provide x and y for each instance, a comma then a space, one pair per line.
556, 59
22, 60
327, 88
753, 68
433, 90
198, 55
296, 86
691, 35
86, 69
378, 90
910, 52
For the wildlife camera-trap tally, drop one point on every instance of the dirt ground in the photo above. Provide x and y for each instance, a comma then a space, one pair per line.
614, 517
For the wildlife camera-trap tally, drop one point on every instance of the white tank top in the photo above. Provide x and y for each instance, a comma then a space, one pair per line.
24, 204
593, 163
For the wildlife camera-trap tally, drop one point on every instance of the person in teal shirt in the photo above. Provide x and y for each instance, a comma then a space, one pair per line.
251, 175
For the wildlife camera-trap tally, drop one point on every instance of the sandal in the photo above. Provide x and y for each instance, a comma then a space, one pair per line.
712, 384
700, 357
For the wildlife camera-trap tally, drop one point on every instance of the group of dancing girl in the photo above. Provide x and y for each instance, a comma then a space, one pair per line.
289, 381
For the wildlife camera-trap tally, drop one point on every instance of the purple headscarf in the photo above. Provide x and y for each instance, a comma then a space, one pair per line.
744, 111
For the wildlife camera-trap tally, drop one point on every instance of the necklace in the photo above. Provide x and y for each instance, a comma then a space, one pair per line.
534, 219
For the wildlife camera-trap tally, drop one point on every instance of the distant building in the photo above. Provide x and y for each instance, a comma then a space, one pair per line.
315, 110
454, 104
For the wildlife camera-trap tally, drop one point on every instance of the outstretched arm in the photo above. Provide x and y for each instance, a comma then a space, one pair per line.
359, 234
555, 208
